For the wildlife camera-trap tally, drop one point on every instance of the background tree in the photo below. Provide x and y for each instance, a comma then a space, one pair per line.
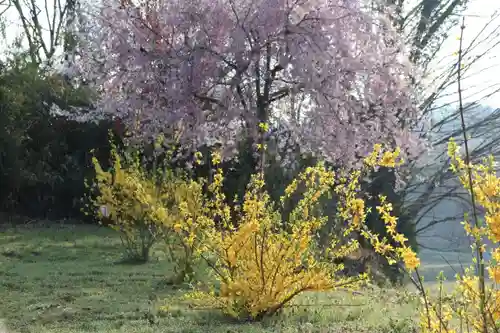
425, 26
210, 84
44, 156
42, 26
432, 186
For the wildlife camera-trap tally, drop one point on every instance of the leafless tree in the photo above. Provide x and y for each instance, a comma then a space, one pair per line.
4, 6
45, 26
426, 25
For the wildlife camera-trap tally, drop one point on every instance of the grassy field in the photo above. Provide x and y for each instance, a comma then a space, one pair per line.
70, 279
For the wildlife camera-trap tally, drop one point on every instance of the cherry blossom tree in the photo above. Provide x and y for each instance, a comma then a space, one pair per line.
204, 72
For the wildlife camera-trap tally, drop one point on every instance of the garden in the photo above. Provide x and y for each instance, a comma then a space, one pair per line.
244, 166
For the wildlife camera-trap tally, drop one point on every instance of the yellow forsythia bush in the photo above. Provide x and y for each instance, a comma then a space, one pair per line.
145, 207
258, 260
128, 201
352, 208
473, 305
261, 262
187, 224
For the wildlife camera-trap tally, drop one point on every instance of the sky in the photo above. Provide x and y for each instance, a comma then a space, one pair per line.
480, 80
483, 77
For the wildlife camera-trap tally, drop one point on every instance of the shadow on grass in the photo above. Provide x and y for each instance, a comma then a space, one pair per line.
75, 283
128, 261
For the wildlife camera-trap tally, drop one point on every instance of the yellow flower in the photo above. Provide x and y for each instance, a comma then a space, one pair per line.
388, 160
496, 255
490, 186
494, 273
494, 224
371, 160
495, 308
198, 157
216, 158
261, 146
400, 238
410, 259
358, 212
178, 227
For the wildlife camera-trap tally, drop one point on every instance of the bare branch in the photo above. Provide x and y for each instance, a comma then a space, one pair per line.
43, 39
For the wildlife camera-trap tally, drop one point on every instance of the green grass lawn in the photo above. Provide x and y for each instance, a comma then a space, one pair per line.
70, 279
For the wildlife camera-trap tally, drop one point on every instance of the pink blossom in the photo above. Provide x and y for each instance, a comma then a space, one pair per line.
207, 72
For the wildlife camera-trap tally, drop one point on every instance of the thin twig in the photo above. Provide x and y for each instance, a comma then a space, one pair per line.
479, 253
